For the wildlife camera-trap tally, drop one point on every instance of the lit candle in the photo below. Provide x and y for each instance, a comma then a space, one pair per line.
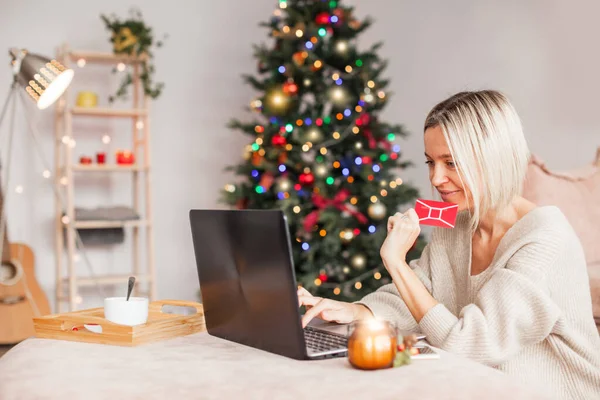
125, 157
372, 344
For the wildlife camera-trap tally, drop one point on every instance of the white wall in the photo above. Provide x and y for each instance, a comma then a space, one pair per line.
542, 54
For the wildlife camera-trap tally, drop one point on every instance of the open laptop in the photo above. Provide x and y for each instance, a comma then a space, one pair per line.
248, 285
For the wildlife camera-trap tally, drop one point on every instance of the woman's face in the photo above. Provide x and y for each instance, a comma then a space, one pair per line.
442, 171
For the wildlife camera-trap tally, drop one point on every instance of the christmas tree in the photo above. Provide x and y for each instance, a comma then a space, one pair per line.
318, 150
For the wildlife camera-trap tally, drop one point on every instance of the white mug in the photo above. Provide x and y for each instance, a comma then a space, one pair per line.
120, 311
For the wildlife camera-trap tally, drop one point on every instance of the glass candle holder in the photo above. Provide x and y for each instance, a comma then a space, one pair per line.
372, 344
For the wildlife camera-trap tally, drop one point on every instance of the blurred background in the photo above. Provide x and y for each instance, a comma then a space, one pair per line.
541, 54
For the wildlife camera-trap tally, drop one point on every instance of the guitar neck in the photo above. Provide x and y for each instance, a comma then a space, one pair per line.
5, 244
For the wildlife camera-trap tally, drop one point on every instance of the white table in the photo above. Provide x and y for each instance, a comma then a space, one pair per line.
200, 366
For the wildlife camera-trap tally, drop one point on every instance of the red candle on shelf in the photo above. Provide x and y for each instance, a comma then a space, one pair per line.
85, 160
100, 158
125, 157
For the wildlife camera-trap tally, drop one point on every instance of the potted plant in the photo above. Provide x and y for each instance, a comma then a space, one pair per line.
133, 37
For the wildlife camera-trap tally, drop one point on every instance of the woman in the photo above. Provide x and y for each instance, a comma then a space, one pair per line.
508, 285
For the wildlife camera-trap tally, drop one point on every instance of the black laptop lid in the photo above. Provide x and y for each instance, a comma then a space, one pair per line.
247, 279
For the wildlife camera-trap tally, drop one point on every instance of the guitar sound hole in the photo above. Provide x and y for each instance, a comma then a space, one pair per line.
8, 272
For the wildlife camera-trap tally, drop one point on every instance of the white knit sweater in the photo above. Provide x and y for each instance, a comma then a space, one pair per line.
528, 314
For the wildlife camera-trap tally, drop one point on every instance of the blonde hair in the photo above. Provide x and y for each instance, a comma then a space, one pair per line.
486, 141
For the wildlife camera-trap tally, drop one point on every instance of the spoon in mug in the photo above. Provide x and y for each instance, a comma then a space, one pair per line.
130, 286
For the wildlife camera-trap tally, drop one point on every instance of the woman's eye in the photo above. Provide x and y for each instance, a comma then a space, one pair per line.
429, 162
450, 164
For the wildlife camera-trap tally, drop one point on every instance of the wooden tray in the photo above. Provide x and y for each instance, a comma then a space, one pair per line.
80, 326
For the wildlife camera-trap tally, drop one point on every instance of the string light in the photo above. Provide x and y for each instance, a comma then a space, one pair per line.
337, 291
393, 184
230, 188
120, 67
106, 139
65, 219
377, 275
353, 201
336, 135
348, 68
371, 84
358, 285
65, 140
19, 189
373, 199
336, 164
72, 143
64, 181
299, 33
384, 192
139, 125
46, 174
355, 130
323, 232
296, 209
259, 141
323, 150
282, 4
318, 282
81, 63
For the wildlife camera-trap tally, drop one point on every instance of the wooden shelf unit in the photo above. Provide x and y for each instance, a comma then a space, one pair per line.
68, 285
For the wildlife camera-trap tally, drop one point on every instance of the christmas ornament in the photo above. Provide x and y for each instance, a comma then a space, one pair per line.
323, 277
290, 88
299, 58
372, 344
341, 47
321, 170
278, 140
283, 185
306, 178
358, 261
355, 24
257, 159
346, 235
313, 135
277, 101
377, 211
307, 82
338, 96
322, 18
341, 17
266, 180
283, 157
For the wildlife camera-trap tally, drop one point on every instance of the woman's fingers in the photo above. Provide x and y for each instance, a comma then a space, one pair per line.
308, 300
303, 292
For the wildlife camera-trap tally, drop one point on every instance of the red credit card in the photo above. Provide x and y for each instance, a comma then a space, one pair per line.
436, 213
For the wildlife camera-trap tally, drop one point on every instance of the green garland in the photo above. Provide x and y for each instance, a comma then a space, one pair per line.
132, 37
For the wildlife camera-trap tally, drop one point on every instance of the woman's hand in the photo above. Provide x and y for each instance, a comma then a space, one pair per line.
403, 230
330, 310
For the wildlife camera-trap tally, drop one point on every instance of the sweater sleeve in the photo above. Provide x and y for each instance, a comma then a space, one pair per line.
385, 303
512, 310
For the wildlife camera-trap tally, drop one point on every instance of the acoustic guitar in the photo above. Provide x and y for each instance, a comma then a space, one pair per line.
21, 298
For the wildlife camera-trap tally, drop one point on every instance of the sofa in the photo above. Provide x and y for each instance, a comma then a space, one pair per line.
577, 194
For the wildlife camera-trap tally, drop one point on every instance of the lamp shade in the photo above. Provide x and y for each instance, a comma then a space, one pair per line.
44, 79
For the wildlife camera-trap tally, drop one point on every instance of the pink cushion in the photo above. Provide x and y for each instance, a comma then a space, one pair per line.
577, 194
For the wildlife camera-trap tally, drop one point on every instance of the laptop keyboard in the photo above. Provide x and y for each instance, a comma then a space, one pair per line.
319, 341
